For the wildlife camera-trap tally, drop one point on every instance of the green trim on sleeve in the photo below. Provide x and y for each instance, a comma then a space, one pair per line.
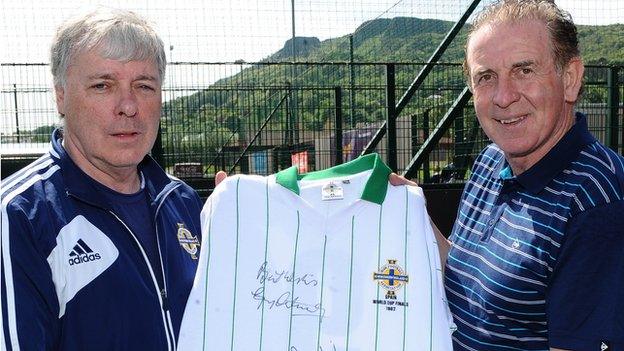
374, 190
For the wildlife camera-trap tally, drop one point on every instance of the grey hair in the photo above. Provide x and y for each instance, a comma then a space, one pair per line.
115, 34
560, 27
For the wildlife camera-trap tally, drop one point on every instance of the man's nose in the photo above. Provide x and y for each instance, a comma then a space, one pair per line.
127, 105
506, 93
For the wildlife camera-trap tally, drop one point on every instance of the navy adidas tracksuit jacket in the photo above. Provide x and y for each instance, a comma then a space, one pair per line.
74, 277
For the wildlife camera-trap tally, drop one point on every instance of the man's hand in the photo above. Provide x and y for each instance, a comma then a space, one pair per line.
219, 177
396, 179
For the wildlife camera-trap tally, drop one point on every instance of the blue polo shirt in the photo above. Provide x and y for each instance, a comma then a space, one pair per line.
537, 260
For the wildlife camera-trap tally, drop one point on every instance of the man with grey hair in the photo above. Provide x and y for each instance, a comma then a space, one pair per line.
99, 245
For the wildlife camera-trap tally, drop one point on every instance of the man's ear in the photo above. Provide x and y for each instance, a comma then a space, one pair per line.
60, 99
573, 79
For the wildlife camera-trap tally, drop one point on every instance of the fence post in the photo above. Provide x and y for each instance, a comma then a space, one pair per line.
158, 152
16, 112
459, 143
157, 149
338, 124
287, 140
391, 152
415, 134
425, 127
613, 107
351, 85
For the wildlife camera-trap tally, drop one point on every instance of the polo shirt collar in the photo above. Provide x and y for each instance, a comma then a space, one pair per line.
374, 190
556, 160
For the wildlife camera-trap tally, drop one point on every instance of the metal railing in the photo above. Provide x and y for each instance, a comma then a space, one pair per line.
269, 116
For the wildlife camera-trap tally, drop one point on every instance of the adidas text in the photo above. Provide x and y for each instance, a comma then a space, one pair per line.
84, 258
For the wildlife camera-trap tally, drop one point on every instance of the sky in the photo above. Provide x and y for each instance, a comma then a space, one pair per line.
226, 31
211, 31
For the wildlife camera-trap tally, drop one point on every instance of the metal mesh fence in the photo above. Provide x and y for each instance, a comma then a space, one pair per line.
263, 120
26, 108
214, 126
271, 115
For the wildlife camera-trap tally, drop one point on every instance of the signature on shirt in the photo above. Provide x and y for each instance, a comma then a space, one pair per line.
285, 299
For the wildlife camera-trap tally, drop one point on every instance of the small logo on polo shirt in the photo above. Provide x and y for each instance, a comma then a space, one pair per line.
188, 242
332, 191
604, 346
82, 253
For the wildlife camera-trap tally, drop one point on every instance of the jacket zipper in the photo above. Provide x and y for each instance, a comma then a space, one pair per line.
162, 294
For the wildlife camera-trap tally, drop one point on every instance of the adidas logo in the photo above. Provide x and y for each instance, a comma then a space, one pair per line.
82, 253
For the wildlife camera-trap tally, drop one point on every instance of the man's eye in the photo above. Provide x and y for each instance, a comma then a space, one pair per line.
99, 86
484, 78
526, 71
146, 87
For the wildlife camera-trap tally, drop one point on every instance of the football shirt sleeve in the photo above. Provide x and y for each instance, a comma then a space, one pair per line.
219, 208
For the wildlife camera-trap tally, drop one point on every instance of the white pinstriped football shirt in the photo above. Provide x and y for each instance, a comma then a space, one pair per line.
330, 260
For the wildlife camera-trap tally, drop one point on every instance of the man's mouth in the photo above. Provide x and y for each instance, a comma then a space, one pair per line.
511, 120
125, 134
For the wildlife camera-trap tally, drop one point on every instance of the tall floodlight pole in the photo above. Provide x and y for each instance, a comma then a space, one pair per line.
293, 105
352, 84
170, 67
292, 21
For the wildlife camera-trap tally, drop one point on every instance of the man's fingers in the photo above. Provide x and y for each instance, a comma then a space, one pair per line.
396, 179
219, 177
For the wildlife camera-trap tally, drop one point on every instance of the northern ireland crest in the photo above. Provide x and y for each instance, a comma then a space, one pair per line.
188, 242
391, 277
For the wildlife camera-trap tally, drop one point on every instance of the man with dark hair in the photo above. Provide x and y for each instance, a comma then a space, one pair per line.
99, 244
536, 256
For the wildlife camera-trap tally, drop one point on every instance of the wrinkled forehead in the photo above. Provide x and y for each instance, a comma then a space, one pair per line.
508, 40
94, 64
512, 27
123, 52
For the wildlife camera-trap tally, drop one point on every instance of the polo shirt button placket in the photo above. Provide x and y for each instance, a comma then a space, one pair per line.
488, 229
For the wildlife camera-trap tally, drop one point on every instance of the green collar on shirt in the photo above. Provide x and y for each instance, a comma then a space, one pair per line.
374, 190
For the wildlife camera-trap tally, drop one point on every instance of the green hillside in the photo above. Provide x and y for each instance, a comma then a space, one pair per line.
225, 113
400, 39
404, 39
602, 44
